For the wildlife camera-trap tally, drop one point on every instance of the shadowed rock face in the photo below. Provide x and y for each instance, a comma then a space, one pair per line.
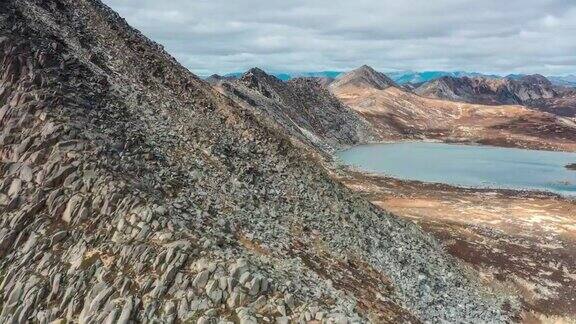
303, 107
489, 91
131, 191
564, 104
531, 90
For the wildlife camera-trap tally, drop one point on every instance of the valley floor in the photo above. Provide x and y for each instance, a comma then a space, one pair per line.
519, 241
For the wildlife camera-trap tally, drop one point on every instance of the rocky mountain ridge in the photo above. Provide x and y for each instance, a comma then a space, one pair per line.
302, 106
405, 77
131, 191
529, 90
489, 91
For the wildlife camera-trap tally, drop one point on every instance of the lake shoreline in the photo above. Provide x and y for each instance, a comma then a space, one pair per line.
481, 143
467, 167
423, 185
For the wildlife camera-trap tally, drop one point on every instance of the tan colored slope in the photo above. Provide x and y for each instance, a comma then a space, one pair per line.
398, 114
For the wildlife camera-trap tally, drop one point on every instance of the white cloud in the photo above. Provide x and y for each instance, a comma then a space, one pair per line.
219, 36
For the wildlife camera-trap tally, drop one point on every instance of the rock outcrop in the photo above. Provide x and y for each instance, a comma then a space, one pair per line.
303, 107
131, 191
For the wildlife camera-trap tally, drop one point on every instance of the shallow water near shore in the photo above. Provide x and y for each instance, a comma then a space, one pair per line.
468, 166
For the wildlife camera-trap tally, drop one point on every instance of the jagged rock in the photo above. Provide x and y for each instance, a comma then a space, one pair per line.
244, 277
4, 200
203, 320
26, 174
201, 279
254, 286
126, 311
57, 237
283, 320
236, 299
289, 300
15, 187
71, 208
111, 318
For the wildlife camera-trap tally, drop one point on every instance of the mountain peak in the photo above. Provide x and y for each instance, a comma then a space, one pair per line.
214, 78
257, 79
364, 76
255, 71
366, 68
535, 79
256, 76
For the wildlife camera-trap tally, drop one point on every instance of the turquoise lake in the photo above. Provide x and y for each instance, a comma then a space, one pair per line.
467, 165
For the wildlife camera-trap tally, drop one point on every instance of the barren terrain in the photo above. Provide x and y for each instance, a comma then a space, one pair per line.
523, 242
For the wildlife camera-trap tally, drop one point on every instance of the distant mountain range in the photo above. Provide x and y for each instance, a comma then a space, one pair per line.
426, 76
412, 77
566, 81
569, 80
556, 95
398, 77
534, 91
365, 104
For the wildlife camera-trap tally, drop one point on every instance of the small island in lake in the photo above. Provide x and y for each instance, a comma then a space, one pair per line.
571, 166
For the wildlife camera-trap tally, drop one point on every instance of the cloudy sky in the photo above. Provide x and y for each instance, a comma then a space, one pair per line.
491, 36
